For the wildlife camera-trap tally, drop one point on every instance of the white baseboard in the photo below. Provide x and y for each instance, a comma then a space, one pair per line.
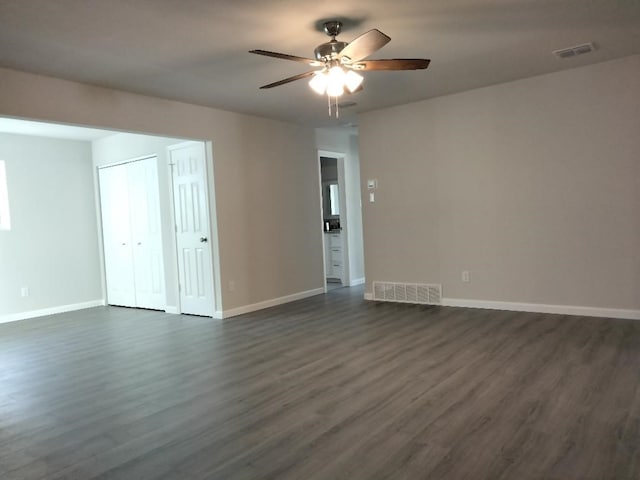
14, 317
267, 303
356, 281
543, 308
171, 309
538, 308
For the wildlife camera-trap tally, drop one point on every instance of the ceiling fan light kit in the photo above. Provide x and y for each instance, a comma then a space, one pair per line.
339, 60
335, 81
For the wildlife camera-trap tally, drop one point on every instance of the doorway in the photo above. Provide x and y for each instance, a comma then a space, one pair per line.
341, 213
333, 232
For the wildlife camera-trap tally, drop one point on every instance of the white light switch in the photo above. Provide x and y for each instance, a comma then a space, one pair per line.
372, 197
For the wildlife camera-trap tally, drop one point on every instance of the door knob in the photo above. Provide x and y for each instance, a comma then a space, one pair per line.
203, 239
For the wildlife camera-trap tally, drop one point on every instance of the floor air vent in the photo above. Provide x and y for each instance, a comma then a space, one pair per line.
426, 294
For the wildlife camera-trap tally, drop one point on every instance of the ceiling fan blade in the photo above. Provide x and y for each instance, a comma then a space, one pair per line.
392, 64
290, 79
365, 45
284, 56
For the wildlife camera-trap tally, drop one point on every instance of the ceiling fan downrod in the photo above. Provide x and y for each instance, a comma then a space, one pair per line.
335, 99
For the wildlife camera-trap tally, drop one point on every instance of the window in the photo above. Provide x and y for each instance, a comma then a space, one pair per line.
5, 221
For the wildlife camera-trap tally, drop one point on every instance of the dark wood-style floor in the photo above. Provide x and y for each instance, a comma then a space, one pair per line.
331, 387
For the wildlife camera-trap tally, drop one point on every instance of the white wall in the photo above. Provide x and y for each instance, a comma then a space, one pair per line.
265, 171
533, 186
52, 247
126, 146
345, 140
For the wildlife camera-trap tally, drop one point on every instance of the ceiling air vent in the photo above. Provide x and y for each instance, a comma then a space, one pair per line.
347, 104
574, 51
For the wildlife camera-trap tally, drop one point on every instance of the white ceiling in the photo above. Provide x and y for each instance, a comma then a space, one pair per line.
197, 50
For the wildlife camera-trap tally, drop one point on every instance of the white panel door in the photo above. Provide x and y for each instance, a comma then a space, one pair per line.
146, 234
118, 255
192, 229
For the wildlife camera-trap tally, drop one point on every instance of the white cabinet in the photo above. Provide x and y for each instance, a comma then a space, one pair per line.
133, 254
333, 256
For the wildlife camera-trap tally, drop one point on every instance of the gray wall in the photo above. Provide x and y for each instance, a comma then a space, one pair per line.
263, 169
533, 186
52, 247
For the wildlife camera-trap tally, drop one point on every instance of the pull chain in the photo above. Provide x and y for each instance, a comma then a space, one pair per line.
335, 99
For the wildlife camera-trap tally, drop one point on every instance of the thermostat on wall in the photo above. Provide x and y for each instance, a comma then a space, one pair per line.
372, 183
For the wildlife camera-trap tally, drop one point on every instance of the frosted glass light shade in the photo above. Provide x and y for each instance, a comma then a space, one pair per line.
353, 80
318, 83
334, 81
335, 85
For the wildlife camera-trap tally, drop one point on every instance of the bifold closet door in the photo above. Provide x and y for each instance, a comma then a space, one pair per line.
116, 233
131, 200
146, 234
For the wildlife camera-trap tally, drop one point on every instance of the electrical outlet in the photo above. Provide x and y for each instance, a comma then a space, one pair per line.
232, 285
24, 291
466, 277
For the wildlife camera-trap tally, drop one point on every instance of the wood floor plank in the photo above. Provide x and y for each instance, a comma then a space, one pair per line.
330, 387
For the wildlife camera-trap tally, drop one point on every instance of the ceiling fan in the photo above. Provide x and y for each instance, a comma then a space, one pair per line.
339, 62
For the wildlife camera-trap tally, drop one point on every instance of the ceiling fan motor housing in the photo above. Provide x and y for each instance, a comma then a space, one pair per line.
329, 51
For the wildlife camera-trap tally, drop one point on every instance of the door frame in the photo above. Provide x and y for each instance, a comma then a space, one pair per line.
344, 215
213, 244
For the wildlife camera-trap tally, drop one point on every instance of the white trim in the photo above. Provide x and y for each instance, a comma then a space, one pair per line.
172, 310
14, 317
538, 308
356, 281
542, 308
130, 160
267, 303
